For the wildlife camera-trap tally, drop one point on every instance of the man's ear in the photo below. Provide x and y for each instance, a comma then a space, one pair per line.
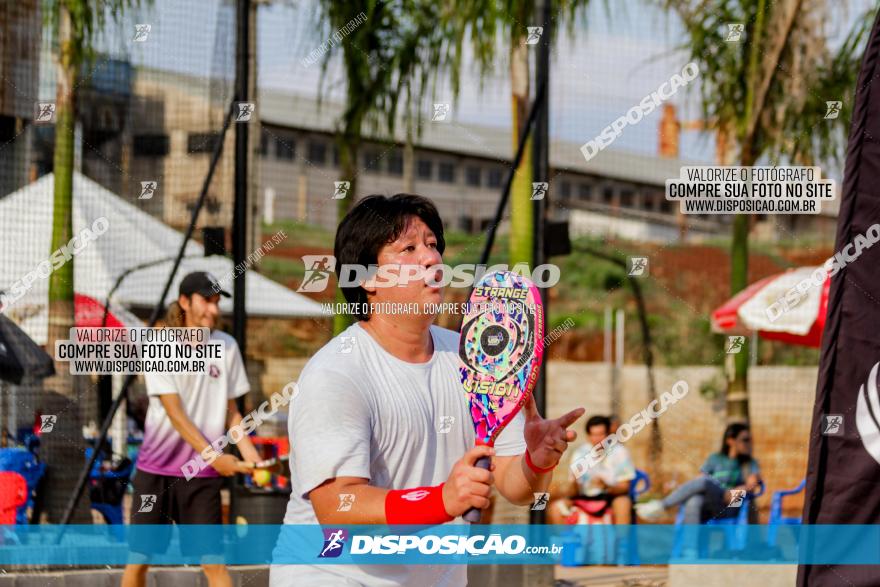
184, 303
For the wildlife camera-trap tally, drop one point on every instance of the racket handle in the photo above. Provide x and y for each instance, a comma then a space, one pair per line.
473, 515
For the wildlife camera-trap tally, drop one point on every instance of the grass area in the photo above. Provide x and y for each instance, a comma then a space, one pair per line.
460, 246
281, 269
678, 315
300, 234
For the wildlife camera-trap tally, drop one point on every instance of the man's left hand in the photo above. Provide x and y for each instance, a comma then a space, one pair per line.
546, 440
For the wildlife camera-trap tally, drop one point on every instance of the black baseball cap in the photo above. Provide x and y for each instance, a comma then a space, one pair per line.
201, 282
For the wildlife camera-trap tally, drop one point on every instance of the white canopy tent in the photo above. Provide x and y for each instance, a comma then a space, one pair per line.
133, 238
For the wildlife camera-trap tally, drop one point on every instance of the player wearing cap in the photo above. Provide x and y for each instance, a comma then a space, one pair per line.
187, 412
380, 430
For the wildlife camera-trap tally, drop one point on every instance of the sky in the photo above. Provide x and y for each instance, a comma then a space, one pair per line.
615, 57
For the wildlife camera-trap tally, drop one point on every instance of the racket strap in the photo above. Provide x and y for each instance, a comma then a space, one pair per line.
535, 468
420, 505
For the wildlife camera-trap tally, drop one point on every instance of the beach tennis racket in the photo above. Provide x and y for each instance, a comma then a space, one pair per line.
500, 353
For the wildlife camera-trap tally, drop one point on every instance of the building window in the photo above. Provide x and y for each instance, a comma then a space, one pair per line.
666, 206
653, 200
627, 198
446, 172
565, 190
585, 191
372, 159
263, 149
285, 148
335, 156
493, 179
201, 142
608, 194
395, 163
425, 169
150, 145
473, 175
317, 153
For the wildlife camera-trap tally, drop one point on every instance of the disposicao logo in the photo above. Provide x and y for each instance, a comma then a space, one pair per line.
334, 541
319, 268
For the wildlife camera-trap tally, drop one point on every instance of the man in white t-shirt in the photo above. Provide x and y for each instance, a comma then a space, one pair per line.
380, 430
188, 412
608, 480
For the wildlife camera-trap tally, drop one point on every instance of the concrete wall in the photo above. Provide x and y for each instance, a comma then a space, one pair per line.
781, 411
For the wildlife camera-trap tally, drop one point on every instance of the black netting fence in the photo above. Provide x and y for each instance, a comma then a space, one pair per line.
147, 110
151, 97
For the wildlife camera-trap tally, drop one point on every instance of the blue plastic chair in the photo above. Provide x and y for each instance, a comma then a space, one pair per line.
23, 462
776, 518
639, 485
735, 528
112, 513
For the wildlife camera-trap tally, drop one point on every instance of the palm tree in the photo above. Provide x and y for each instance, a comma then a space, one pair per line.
74, 24
489, 23
766, 92
522, 222
394, 53
403, 46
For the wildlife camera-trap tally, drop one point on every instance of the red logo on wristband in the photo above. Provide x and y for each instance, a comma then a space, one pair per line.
418, 495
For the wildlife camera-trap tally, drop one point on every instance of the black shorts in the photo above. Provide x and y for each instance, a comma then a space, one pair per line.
160, 500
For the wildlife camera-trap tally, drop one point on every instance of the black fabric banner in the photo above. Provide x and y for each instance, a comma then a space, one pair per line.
843, 474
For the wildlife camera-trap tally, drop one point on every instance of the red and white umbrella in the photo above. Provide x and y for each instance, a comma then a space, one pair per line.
89, 313
763, 307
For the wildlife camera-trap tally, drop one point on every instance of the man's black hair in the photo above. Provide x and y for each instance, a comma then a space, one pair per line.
374, 222
599, 421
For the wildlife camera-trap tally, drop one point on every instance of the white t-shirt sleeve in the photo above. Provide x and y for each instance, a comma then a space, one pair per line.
330, 430
511, 441
579, 453
624, 469
159, 383
237, 383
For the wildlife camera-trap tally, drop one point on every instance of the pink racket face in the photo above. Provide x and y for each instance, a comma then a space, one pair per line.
500, 350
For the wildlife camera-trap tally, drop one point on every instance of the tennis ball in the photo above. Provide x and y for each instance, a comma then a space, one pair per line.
262, 478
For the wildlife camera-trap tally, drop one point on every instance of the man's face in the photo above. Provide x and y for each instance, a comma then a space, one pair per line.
414, 250
201, 312
597, 434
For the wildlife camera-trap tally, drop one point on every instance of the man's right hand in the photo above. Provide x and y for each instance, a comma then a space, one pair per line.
469, 486
228, 465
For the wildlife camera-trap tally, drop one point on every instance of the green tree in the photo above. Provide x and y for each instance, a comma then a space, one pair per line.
767, 93
522, 221
73, 24
491, 24
401, 48
392, 54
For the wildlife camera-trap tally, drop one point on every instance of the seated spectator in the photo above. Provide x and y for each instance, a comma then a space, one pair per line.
708, 496
609, 480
